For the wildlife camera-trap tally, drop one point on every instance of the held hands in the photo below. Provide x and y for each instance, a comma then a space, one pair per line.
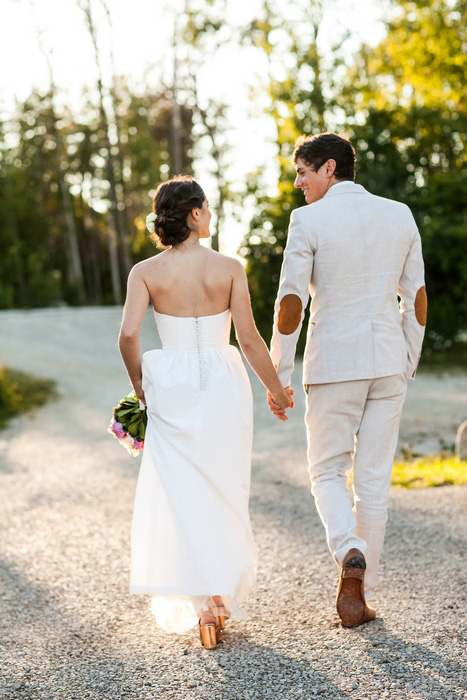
278, 403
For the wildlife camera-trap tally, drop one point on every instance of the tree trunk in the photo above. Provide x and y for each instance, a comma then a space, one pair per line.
113, 259
92, 257
176, 118
122, 214
75, 270
116, 220
23, 296
213, 129
75, 275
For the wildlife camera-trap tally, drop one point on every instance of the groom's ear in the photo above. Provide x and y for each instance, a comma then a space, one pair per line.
330, 167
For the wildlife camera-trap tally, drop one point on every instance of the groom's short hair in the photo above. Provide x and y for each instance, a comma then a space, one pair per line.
317, 150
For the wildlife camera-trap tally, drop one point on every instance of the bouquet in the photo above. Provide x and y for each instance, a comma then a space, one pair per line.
128, 423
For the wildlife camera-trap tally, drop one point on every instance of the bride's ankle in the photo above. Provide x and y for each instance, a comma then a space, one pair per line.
206, 617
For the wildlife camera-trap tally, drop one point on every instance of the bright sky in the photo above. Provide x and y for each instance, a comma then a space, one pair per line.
141, 38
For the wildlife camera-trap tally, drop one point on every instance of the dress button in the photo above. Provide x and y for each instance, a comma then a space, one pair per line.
200, 355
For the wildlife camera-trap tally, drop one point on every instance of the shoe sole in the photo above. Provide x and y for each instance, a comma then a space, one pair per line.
350, 602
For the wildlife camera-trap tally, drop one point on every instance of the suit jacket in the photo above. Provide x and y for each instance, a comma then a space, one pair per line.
354, 253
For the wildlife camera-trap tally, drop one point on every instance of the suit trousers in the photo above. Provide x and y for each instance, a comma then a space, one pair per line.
354, 424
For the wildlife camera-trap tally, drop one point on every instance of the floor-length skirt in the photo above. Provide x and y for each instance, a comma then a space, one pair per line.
191, 536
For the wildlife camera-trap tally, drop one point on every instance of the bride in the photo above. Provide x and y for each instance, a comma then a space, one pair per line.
192, 547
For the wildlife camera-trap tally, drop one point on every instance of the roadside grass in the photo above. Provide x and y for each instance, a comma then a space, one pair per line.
433, 470
21, 392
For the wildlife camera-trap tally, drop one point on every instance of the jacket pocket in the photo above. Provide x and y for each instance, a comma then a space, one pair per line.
390, 348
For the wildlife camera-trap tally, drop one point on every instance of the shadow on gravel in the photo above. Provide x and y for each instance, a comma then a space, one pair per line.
73, 663
80, 660
244, 669
408, 663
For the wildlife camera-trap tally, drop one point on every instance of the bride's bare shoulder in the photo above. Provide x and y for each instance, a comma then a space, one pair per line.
149, 264
233, 265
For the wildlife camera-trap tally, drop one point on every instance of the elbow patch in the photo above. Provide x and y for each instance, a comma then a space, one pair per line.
421, 304
290, 313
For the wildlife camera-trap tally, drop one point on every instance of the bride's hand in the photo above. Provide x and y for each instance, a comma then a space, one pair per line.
139, 392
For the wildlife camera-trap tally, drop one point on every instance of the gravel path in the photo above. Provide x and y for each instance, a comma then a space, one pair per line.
68, 627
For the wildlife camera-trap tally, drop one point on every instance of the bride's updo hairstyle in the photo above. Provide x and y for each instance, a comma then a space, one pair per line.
172, 203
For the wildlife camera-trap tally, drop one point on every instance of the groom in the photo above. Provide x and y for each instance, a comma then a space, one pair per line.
354, 253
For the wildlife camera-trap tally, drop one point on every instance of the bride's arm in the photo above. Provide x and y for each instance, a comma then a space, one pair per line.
253, 346
136, 304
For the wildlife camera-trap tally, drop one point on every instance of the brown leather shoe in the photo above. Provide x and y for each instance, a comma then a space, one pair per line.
350, 603
370, 613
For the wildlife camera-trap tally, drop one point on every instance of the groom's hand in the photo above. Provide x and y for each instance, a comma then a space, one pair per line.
276, 409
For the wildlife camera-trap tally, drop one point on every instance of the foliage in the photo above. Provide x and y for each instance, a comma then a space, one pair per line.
21, 392
405, 108
263, 251
299, 102
427, 173
411, 145
75, 186
33, 266
436, 470
89, 176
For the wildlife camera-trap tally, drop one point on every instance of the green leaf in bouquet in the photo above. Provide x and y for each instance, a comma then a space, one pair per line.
124, 412
133, 427
126, 407
128, 417
129, 399
140, 419
125, 422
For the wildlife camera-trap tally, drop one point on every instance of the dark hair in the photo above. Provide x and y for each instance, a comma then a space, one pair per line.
317, 150
172, 203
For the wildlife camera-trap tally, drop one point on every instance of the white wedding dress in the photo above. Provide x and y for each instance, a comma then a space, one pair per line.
191, 536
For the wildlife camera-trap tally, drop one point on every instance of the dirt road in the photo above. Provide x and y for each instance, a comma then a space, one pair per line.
69, 629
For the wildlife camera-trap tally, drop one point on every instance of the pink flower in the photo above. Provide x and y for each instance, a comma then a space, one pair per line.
118, 430
138, 444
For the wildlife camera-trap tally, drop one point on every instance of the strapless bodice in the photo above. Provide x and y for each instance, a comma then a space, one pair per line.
189, 333
195, 337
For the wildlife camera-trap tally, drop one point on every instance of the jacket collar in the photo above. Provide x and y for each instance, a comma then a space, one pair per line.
345, 187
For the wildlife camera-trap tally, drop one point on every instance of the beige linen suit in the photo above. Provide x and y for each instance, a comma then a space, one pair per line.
354, 253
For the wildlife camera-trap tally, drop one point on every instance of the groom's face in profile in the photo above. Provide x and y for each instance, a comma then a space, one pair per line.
314, 183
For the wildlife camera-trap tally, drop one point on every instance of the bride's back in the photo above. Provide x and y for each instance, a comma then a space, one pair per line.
187, 279
190, 282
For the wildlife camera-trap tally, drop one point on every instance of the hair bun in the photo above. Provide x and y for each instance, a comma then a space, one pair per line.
172, 204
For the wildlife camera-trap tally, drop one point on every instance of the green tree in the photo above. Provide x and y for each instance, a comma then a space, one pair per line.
35, 264
76, 186
411, 146
404, 106
204, 31
301, 99
34, 257
146, 151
